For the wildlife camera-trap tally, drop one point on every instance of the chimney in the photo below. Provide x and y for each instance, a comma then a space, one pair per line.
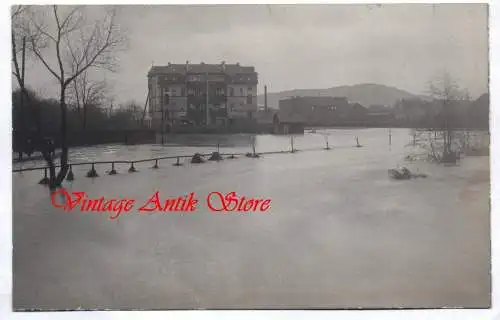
265, 98
187, 65
223, 66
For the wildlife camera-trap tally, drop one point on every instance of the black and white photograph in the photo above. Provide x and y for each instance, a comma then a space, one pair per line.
250, 157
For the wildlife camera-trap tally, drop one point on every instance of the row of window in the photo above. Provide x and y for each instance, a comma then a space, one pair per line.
331, 108
232, 107
201, 78
173, 92
166, 99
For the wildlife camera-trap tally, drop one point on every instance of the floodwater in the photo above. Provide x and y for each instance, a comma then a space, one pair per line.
339, 233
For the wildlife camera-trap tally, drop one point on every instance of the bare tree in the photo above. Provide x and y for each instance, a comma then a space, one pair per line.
110, 101
447, 94
85, 92
133, 109
78, 43
19, 67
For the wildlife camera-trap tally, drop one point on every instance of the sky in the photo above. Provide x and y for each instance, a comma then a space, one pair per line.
303, 46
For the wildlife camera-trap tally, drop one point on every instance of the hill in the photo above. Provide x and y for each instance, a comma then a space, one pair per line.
365, 94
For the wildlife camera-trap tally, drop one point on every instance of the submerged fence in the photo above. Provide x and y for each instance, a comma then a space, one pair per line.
196, 158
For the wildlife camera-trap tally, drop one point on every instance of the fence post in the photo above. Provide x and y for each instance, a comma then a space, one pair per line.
155, 166
92, 173
45, 179
132, 168
178, 163
70, 176
113, 171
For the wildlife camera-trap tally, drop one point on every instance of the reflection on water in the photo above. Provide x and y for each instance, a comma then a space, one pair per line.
189, 144
339, 233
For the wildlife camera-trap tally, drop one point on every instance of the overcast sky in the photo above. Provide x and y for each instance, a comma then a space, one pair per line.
306, 46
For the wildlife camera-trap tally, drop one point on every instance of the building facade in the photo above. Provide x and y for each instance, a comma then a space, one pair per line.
319, 110
202, 94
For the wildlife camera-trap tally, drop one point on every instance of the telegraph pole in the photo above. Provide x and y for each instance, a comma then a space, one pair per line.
144, 110
162, 121
206, 102
21, 96
265, 98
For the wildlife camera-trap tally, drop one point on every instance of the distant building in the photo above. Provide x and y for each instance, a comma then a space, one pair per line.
315, 110
273, 121
180, 92
378, 108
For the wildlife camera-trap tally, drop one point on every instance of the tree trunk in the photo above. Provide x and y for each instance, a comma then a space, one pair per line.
84, 117
55, 181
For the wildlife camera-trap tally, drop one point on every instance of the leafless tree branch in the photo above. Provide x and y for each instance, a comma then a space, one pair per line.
97, 44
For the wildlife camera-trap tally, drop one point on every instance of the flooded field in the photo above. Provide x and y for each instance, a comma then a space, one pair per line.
339, 233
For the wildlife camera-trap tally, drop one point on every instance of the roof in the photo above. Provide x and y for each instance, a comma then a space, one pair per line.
378, 114
316, 98
202, 68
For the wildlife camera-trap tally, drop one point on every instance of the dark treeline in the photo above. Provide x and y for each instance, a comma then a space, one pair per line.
416, 113
460, 114
40, 117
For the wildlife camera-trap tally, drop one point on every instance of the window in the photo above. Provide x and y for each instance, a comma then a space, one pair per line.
166, 99
231, 92
249, 88
183, 92
231, 107
241, 92
249, 99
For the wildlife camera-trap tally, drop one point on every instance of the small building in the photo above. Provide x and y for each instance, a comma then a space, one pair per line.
273, 121
320, 110
380, 118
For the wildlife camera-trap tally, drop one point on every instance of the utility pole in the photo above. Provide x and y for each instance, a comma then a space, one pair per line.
144, 111
22, 117
265, 98
162, 122
206, 102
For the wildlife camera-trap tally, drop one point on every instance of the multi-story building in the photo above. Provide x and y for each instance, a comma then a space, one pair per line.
204, 94
321, 110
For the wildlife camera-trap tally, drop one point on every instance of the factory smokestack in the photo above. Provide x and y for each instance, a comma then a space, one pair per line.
265, 98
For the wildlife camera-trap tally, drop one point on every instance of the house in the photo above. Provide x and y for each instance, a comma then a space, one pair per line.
273, 121
316, 110
205, 94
